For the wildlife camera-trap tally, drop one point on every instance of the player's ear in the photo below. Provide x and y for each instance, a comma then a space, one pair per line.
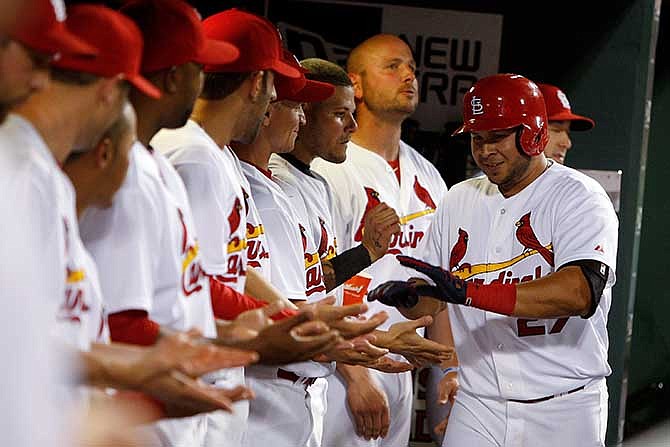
358, 88
104, 152
171, 79
256, 87
110, 88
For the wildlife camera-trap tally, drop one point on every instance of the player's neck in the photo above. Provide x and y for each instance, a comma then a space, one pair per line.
381, 136
59, 123
148, 125
257, 153
538, 165
217, 118
302, 153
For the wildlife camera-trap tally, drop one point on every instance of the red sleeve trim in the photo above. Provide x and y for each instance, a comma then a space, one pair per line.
228, 303
134, 327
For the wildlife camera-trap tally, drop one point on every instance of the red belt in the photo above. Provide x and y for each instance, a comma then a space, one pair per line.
293, 377
542, 399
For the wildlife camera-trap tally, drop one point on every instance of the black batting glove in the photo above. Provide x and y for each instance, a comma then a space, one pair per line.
448, 288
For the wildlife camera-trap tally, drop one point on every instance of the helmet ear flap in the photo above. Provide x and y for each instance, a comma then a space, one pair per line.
531, 141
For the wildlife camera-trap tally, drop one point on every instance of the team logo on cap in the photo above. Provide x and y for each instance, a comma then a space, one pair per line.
477, 106
563, 99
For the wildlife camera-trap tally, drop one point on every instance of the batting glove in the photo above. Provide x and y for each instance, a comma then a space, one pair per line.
448, 288
499, 298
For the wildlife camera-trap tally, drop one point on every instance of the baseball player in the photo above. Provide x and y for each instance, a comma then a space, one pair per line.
561, 122
82, 88
28, 48
231, 107
292, 243
174, 292
29, 184
311, 197
379, 167
526, 256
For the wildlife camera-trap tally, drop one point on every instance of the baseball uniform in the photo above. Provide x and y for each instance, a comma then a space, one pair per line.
364, 180
218, 205
148, 261
313, 195
286, 413
31, 279
481, 236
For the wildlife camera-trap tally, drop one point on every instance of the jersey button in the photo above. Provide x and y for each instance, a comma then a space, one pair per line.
502, 211
498, 250
500, 346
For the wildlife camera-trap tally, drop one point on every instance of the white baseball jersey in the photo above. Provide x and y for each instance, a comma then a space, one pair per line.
217, 202
81, 319
281, 231
194, 282
136, 245
364, 180
309, 192
289, 243
32, 281
216, 199
562, 216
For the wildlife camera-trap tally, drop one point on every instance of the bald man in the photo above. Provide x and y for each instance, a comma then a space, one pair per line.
379, 167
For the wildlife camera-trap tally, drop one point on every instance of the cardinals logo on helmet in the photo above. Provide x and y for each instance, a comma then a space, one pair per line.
526, 235
372, 201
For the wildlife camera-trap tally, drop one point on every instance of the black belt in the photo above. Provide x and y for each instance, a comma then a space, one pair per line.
293, 377
542, 399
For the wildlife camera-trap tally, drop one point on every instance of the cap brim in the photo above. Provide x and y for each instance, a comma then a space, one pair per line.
577, 122
57, 39
285, 69
313, 91
217, 52
144, 86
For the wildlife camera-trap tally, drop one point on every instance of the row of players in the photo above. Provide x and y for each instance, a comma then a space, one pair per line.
195, 212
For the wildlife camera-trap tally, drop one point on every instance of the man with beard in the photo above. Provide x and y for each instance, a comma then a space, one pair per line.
524, 259
379, 167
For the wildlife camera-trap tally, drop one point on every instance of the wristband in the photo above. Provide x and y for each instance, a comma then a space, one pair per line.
498, 298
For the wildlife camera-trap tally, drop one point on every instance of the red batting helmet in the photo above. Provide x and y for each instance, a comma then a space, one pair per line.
504, 101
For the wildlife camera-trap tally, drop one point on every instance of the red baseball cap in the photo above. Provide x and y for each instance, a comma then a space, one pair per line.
173, 35
117, 38
300, 89
257, 39
558, 108
43, 29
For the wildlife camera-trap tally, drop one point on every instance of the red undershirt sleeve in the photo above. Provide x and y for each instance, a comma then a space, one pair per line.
134, 327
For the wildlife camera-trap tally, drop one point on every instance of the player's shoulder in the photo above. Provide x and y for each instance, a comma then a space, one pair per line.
478, 185
566, 181
189, 143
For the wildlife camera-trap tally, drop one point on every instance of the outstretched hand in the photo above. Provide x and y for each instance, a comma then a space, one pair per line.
401, 338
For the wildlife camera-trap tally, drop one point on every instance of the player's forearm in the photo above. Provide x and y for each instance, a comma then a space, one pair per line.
108, 365
564, 293
352, 373
258, 287
344, 266
440, 332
